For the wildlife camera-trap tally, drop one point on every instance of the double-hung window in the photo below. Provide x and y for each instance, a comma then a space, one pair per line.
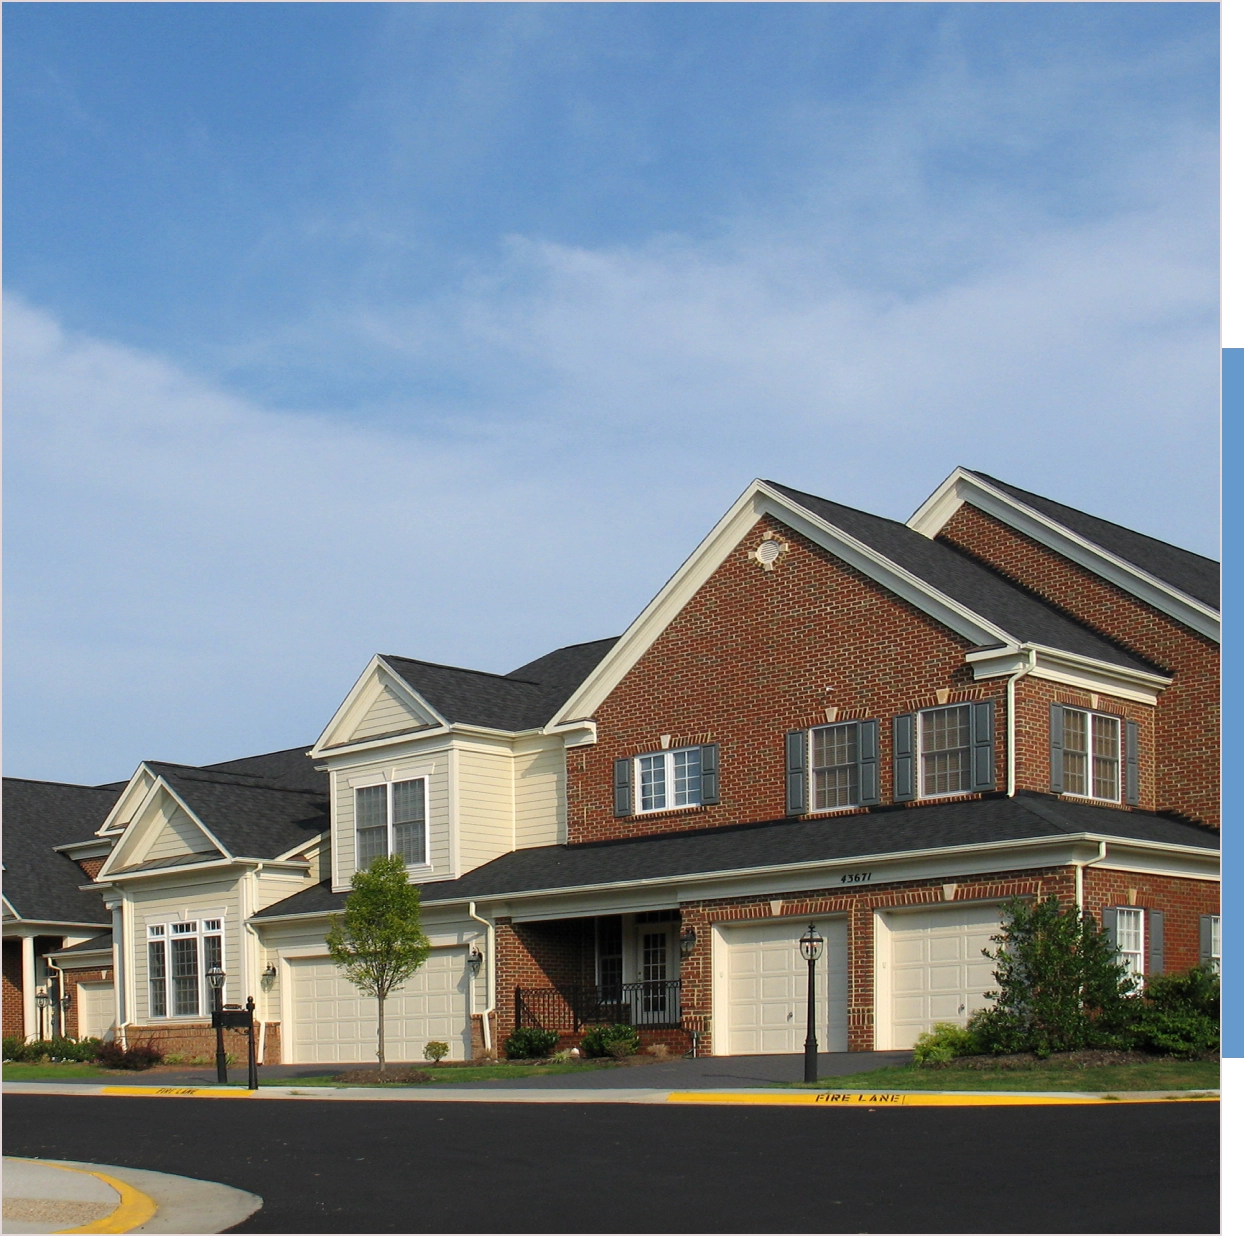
1090, 755
1211, 942
669, 779
1130, 939
392, 819
179, 955
945, 751
835, 766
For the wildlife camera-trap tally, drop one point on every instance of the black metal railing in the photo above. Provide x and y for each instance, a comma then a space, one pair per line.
572, 1008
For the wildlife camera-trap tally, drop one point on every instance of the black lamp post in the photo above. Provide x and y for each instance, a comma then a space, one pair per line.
42, 1002
216, 980
810, 945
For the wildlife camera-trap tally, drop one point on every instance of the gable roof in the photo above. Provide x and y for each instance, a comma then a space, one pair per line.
523, 699
779, 843
1181, 568
966, 581
39, 883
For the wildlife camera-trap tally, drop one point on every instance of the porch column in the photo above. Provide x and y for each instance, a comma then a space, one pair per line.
30, 1024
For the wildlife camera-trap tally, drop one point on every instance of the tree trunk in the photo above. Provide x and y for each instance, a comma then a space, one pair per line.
380, 1034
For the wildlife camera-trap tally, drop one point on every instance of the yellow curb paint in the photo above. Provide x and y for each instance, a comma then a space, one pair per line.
179, 1092
830, 1098
133, 1211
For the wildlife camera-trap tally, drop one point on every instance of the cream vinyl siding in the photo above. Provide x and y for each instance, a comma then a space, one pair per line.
386, 715
218, 899
485, 804
180, 835
271, 887
539, 795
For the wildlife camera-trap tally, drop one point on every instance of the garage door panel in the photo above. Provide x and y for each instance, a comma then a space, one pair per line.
333, 1023
936, 971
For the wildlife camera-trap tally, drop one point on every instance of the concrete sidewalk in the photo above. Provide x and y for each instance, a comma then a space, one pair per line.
58, 1195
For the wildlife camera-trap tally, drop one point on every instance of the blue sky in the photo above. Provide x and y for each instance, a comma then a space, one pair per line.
448, 330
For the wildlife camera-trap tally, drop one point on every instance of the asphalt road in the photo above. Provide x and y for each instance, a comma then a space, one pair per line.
508, 1167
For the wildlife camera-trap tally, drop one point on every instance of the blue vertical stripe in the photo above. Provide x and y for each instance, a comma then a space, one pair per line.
1232, 676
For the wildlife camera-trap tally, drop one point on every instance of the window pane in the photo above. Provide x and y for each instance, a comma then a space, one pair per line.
1105, 757
156, 976
1075, 752
185, 966
1131, 936
370, 804
408, 842
213, 953
408, 802
651, 782
687, 777
371, 845
1215, 943
835, 767
945, 752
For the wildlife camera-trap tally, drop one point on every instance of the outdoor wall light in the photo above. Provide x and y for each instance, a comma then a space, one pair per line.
270, 972
475, 959
686, 942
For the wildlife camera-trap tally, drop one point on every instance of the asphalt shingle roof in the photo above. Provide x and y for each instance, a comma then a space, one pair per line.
522, 700
1181, 568
958, 576
94, 944
780, 842
38, 882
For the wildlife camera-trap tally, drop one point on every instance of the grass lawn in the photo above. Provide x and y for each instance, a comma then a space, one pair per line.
485, 1072
1106, 1079
59, 1072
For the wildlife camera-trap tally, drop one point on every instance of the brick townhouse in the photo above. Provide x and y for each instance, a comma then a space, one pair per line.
824, 717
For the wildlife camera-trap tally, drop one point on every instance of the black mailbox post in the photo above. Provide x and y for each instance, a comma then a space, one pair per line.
238, 1019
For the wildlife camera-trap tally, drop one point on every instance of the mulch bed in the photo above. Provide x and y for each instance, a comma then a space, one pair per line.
1088, 1059
397, 1076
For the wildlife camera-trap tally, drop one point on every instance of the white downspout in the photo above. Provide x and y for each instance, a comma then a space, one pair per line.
1010, 719
1101, 853
489, 957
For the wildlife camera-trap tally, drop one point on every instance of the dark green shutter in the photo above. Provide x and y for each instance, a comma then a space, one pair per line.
1056, 748
1207, 937
710, 788
796, 772
623, 800
1157, 941
870, 779
1131, 774
905, 757
982, 745
1110, 924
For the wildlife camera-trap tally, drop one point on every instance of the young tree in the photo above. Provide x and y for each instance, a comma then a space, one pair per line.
379, 942
1061, 983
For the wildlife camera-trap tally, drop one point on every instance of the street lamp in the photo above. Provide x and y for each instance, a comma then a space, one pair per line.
216, 980
810, 945
43, 1002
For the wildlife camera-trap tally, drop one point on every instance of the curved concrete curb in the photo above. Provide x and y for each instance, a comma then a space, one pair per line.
143, 1201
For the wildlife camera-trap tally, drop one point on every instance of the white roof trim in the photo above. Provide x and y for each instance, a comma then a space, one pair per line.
963, 486
107, 871
360, 699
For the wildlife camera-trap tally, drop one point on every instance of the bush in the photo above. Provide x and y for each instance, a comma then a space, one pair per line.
1062, 986
141, 1056
944, 1042
435, 1051
616, 1041
1180, 1013
55, 1049
530, 1042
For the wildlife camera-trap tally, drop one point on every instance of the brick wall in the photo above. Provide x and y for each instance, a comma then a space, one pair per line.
1186, 725
757, 653
90, 866
12, 987
72, 980
197, 1040
559, 953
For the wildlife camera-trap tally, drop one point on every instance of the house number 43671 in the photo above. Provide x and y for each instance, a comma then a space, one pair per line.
855, 877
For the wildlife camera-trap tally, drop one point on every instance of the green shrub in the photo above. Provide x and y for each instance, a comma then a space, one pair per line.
435, 1051
615, 1040
1062, 986
1180, 1013
530, 1042
944, 1042
55, 1049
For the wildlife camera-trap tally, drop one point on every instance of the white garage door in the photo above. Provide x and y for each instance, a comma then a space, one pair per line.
937, 972
95, 1010
766, 994
334, 1022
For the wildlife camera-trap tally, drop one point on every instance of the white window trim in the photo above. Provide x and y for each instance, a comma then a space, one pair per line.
637, 789
919, 746
163, 933
1139, 974
1120, 759
812, 770
389, 783
1215, 931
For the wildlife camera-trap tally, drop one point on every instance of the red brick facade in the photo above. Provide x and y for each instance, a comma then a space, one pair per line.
12, 981
1186, 739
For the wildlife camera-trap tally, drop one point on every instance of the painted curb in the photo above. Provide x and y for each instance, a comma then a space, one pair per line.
933, 1098
133, 1210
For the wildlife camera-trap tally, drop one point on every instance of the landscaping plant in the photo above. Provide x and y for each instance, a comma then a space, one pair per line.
55, 1049
1061, 984
615, 1040
138, 1057
944, 1042
1180, 1013
435, 1051
378, 943
530, 1043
